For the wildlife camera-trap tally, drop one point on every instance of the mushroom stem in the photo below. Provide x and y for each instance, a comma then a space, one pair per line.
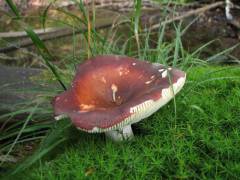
122, 134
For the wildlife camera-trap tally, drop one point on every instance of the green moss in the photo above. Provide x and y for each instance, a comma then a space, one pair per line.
201, 142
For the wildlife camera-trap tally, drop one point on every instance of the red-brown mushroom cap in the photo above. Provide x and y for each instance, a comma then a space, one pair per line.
109, 92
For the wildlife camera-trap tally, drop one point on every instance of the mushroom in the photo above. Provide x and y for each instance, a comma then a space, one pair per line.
110, 93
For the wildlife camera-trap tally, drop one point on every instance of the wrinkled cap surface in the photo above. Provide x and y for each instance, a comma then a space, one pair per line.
110, 92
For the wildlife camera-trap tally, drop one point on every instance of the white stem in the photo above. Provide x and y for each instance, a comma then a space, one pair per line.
119, 135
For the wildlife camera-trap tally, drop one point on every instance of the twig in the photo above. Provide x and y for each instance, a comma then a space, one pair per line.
21, 34
8, 58
57, 33
188, 14
9, 158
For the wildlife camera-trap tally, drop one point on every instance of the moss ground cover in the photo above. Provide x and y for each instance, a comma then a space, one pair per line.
200, 141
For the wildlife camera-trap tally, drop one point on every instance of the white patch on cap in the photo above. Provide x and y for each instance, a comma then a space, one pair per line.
153, 76
161, 70
126, 71
134, 64
148, 82
120, 71
103, 80
114, 90
58, 98
164, 74
86, 107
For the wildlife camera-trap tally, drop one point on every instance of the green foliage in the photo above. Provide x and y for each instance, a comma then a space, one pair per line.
54, 138
13, 8
43, 51
20, 131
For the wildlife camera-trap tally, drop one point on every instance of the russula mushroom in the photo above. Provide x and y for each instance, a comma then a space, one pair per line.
109, 93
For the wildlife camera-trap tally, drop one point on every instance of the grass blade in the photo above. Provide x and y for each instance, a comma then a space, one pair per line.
54, 138
177, 45
47, 57
137, 14
21, 131
44, 16
13, 8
